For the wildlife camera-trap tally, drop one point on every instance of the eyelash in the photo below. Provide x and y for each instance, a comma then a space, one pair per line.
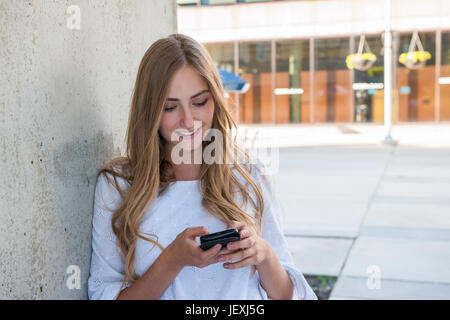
201, 104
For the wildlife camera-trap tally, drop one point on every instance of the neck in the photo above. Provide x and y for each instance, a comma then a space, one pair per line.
185, 171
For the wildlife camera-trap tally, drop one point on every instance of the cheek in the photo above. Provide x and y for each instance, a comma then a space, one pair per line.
210, 113
166, 126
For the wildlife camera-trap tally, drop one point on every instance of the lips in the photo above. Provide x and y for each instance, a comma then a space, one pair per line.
182, 136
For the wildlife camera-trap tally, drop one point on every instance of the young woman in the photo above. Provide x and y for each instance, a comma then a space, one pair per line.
150, 198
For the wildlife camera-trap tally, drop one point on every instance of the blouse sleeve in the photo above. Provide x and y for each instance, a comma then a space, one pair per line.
273, 233
107, 265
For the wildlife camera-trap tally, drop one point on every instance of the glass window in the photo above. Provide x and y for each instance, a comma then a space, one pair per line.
217, 2
368, 93
223, 56
292, 79
416, 87
241, 1
332, 87
444, 79
255, 105
187, 2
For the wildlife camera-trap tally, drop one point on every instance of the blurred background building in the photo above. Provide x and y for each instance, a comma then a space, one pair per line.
293, 54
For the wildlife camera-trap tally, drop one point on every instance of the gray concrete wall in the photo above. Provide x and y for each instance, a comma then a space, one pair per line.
64, 103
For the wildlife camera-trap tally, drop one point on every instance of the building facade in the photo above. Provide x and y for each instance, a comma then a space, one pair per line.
293, 53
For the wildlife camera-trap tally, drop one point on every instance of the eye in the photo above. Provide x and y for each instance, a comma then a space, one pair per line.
201, 103
168, 109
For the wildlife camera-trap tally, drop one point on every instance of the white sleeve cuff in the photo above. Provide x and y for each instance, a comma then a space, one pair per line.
302, 290
108, 291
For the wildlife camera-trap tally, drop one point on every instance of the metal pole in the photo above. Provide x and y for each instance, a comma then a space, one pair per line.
388, 74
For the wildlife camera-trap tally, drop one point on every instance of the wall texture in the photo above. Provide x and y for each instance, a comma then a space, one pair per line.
64, 102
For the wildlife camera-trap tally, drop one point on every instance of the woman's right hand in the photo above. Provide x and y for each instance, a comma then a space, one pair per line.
185, 251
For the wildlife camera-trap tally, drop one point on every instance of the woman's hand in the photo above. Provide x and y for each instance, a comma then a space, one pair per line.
185, 251
250, 250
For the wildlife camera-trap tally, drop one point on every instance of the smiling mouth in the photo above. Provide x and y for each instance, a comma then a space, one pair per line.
190, 134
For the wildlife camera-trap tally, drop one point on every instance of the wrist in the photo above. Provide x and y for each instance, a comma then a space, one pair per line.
268, 254
170, 258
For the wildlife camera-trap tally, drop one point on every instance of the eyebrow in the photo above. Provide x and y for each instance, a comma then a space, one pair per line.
195, 95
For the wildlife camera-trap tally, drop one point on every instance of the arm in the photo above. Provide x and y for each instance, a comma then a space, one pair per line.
252, 249
107, 265
152, 284
274, 278
280, 255
276, 273
184, 250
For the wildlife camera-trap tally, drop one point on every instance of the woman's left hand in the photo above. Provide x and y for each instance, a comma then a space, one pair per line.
251, 249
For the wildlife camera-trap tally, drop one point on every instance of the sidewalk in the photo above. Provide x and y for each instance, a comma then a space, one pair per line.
373, 215
424, 134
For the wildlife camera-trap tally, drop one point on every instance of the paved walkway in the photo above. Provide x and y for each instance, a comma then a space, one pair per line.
428, 135
375, 216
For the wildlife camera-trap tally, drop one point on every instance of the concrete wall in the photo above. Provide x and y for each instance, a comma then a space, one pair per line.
64, 103
303, 19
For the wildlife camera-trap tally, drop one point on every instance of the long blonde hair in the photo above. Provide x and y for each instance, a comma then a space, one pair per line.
148, 174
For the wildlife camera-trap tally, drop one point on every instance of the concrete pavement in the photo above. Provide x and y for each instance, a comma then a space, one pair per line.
375, 216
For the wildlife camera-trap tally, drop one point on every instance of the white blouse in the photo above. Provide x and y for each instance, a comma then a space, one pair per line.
175, 210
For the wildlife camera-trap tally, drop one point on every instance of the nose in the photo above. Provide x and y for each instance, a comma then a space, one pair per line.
188, 119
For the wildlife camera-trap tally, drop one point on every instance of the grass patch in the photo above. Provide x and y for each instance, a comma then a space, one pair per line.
322, 285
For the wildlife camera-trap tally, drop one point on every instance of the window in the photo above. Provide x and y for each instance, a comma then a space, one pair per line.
444, 79
332, 87
368, 93
223, 56
255, 68
416, 88
293, 73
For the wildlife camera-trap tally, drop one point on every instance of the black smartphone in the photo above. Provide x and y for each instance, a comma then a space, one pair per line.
223, 237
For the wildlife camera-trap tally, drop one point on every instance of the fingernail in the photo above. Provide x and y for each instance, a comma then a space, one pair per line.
222, 259
231, 246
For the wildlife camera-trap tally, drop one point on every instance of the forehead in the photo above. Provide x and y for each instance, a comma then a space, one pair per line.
186, 82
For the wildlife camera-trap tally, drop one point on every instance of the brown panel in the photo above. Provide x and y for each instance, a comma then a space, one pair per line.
282, 112
256, 98
331, 96
378, 107
343, 96
445, 95
402, 80
247, 105
306, 86
413, 97
320, 96
266, 97
426, 87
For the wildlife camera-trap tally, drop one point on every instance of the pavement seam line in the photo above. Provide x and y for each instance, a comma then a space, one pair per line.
369, 203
